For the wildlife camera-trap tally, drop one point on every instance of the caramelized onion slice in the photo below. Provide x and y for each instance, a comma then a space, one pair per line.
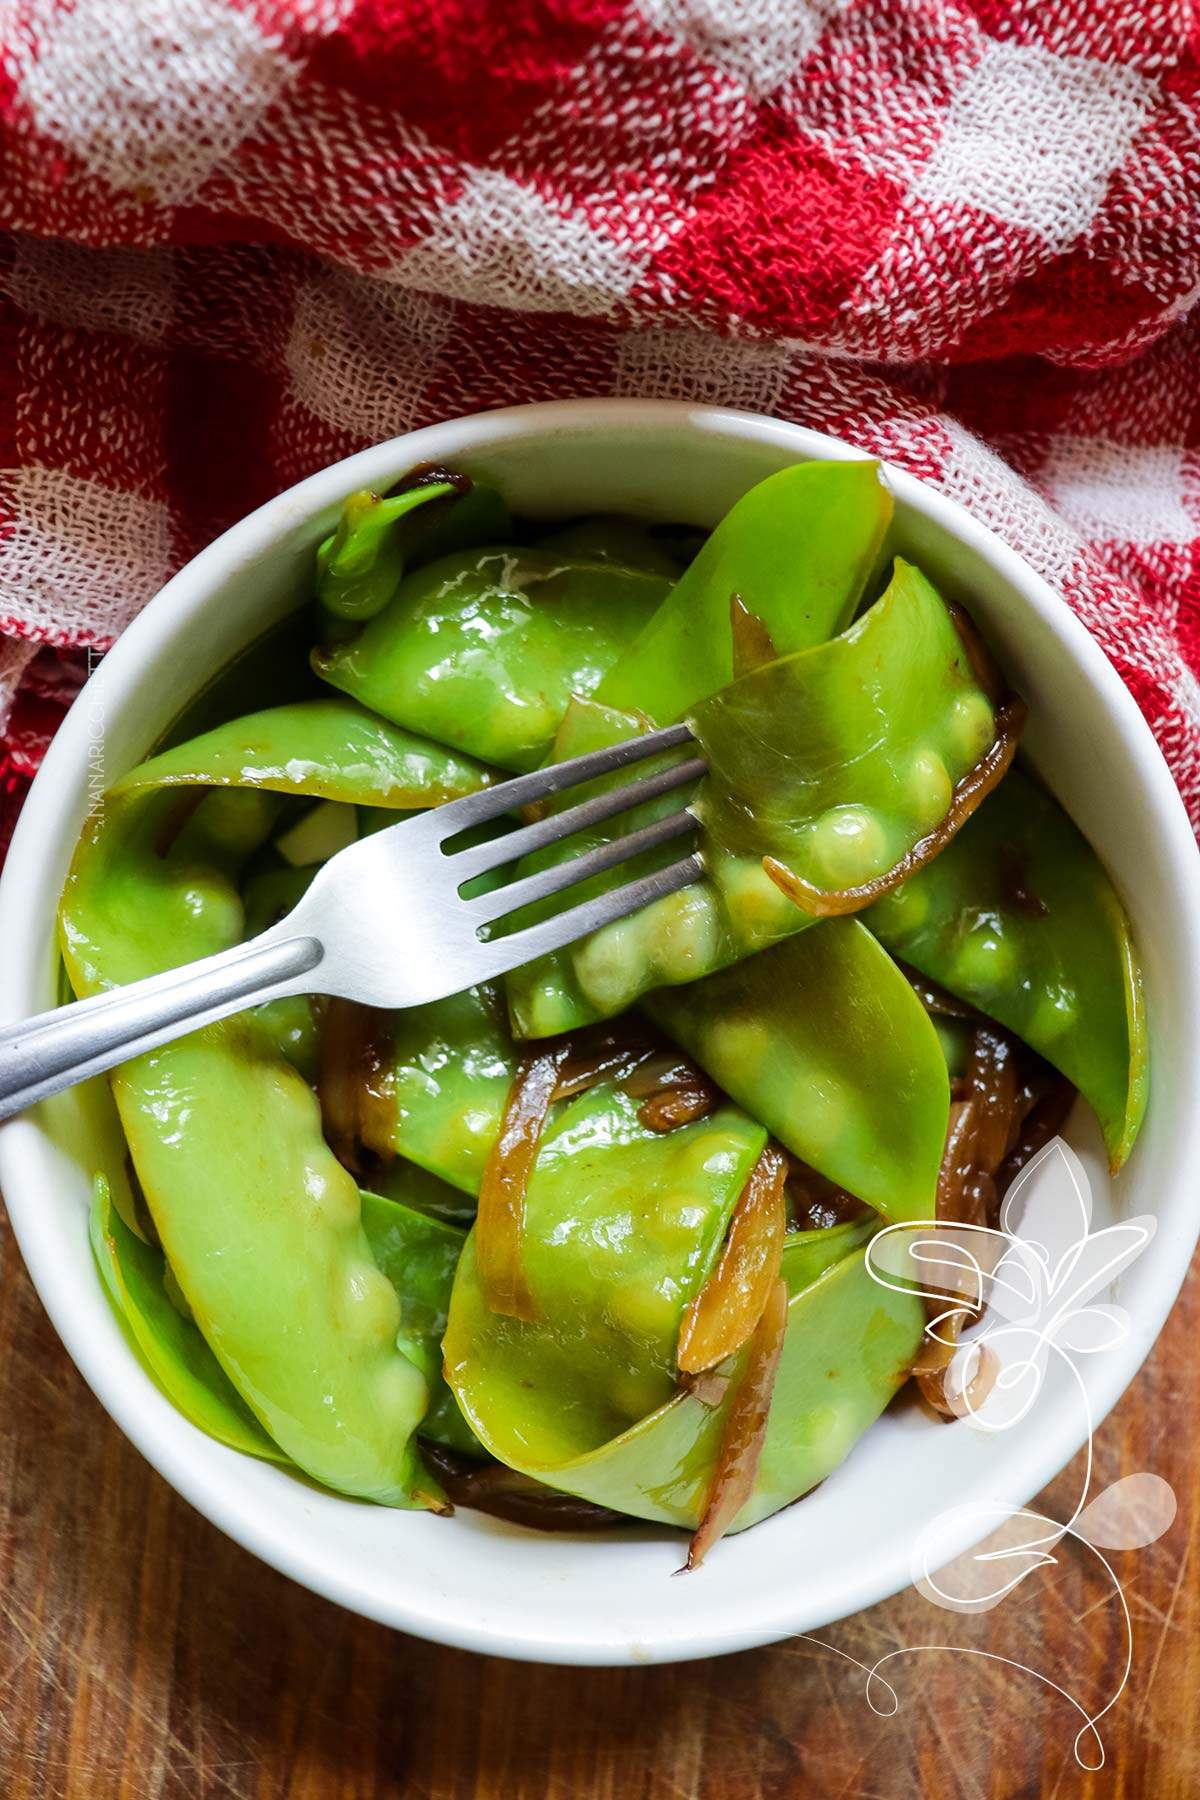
730, 1304
354, 1082
666, 1069
745, 1428
955, 1200
675, 1106
751, 642
931, 1375
975, 786
506, 1173
984, 666
607, 1052
493, 1488
991, 1076
1044, 1120
814, 1203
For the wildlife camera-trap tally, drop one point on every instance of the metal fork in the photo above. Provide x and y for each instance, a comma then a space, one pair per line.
384, 921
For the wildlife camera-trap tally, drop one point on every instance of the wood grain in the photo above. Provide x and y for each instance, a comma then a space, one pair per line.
142, 1655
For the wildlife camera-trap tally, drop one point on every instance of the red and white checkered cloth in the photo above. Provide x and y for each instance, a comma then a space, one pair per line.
242, 238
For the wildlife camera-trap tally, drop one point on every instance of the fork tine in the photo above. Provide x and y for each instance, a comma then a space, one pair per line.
514, 844
504, 900
504, 953
520, 790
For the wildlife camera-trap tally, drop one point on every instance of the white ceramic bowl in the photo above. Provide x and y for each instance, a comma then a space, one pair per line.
473, 1581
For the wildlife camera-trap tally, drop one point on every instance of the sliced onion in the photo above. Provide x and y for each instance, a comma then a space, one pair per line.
728, 1307
984, 666
745, 1428
973, 788
501, 1216
609, 1052
354, 1082
337, 1062
1044, 1120
991, 1075
932, 1381
493, 1488
955, 1200
751, 642
433, 474
666, 1069
710, 1386
814, 1203
675, 1106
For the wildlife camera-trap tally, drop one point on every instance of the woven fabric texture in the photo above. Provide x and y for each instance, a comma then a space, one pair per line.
240, 238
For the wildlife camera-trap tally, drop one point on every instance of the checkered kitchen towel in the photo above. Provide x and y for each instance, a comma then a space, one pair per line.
242, 238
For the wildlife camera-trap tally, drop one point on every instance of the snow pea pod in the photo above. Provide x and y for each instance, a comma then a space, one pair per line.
834, 761
838, 761
261, 1225
1019, 917
332, 749
621, 1228
361, 563
452, 1063
170, 1345
605, 538
823, 1039
798, 549
849, 1345
419, 1255
422, 1192
360, 566
483, 649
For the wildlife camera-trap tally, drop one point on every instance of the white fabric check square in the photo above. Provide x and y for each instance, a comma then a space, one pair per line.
152, 95
1132, 494
1032, 138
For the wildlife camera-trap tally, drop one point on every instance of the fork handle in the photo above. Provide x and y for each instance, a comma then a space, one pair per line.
54, 1050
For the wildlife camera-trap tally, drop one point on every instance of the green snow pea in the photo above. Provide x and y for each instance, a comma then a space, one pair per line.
361, 564
798, 549
452, 1066
171, 1347
271, 894
293, 1028
824, 1040
478, 516
422, 1192
1018, 916
419, 1255
838, 760
484, 649
331, 748
835, 761
614, 540
849, 1345
622, 1225
225, 1136
807, 1254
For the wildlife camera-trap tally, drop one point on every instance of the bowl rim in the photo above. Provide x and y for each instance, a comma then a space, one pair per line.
39, 830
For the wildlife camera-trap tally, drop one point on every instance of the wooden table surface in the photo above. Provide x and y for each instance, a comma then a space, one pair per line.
143, 1655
